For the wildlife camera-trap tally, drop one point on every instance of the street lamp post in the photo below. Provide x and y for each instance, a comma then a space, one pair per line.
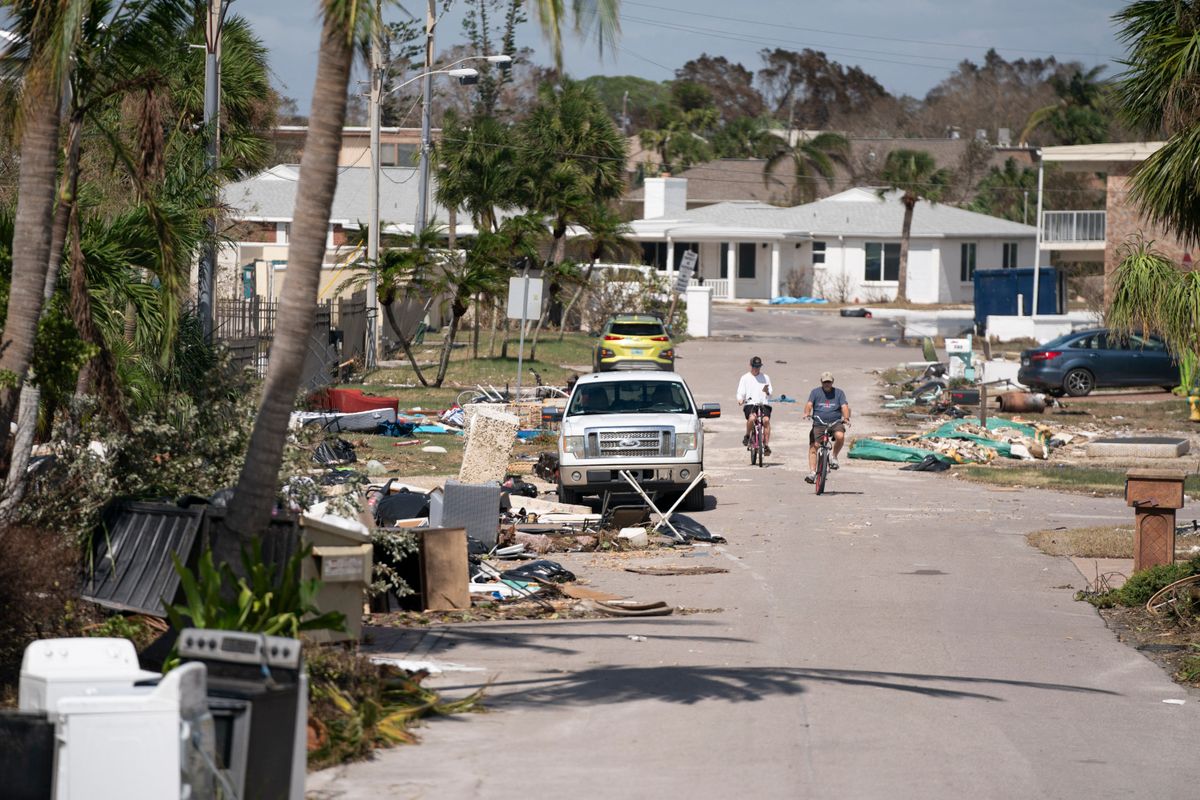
376, 96
206, 277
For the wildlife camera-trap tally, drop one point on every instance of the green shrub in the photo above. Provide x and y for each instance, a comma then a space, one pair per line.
1141, 586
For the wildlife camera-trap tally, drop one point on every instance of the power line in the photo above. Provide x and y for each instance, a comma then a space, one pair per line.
778, 25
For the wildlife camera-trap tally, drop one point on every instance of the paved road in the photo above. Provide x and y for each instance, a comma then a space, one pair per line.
896, 638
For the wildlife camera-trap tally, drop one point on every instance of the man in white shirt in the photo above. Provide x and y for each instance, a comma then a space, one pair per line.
753, 392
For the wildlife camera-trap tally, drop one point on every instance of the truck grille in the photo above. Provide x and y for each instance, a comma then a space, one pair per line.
631, 443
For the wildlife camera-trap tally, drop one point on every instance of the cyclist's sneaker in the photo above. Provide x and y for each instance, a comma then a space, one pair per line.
745, 441
833, 463
810, 477
766, 450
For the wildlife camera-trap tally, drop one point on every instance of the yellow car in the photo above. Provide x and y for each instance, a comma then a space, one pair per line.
634, 341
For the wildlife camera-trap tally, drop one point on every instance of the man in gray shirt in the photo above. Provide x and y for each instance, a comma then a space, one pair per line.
828, 408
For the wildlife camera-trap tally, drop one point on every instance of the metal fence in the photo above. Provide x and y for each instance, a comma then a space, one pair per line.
1073, 226
247, 328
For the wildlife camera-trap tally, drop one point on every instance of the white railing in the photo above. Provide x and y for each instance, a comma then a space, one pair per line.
1073, 226
719, 286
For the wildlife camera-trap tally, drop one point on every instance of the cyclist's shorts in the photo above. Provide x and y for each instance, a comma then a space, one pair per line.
834, 428
746, 409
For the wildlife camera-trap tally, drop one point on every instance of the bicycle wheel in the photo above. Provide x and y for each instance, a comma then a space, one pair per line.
822, 469
753, 449
762, 452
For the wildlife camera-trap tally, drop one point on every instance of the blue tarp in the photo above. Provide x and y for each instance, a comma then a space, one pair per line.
791, 301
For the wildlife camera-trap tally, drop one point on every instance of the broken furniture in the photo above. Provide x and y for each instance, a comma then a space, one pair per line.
342, 557
474, 506
1154, 495
444, 569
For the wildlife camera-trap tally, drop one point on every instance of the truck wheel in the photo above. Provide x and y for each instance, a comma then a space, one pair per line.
694, 501
568, 496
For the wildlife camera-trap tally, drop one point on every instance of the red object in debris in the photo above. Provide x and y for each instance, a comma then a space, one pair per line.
351, 400
749, 308
869, 314
1045, 355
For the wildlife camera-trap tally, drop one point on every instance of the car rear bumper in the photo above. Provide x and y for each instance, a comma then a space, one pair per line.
1037, 377
609, 364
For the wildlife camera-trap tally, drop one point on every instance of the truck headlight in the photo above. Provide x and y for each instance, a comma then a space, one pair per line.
574, 445
684, 442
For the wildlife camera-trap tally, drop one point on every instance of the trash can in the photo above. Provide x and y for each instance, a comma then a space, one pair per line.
342, 559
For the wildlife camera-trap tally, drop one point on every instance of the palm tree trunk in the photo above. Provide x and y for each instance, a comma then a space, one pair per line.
902, 284
405, 344
30, 400
476, 308
587, 281
32, 229
495, 324
448, 346
254, 499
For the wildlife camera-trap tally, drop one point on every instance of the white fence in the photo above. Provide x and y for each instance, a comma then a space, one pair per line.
719, 286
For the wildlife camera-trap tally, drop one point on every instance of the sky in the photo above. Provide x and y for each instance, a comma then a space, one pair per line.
908, 45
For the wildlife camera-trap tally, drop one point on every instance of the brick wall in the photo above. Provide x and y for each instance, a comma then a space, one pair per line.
1124, 221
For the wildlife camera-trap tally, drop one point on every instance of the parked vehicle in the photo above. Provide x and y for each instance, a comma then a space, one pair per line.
1079, 362
646, 423
634, 341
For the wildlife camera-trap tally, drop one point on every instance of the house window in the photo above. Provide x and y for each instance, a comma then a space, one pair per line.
683, 247
883, 261
818, 253
724, 259
397, 155
1010, 255
966, 266
745, 259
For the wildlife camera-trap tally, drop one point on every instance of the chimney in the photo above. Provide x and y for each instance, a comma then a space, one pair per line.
664, 197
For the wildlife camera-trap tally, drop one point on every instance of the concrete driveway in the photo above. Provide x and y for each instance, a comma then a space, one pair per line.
894, 638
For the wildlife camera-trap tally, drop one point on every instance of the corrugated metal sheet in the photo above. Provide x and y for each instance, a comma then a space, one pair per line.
131, 565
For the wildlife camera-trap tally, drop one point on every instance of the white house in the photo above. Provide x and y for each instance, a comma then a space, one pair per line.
844, 247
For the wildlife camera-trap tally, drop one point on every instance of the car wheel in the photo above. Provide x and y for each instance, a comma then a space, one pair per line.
1079, 382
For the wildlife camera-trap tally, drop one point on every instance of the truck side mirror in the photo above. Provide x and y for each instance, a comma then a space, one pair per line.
552, 414
710, 410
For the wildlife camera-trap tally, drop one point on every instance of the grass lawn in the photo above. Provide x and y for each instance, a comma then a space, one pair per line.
409, 459
1170, 414
1096, 542
1064, 477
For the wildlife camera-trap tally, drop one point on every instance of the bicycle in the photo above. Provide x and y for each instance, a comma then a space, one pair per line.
824, 453
757, 446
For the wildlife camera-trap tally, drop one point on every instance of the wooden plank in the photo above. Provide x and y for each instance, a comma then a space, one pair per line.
444, 575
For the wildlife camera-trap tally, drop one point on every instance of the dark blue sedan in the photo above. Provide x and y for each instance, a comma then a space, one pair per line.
1079, 362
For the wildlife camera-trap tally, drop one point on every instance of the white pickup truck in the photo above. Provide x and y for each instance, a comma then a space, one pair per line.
645, 422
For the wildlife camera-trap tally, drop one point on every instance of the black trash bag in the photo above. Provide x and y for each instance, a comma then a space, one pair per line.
855, 312
931, 463
513, 484
388, 506
395, 429
691, 529
546, 467
339, 476
541, 571
334, 451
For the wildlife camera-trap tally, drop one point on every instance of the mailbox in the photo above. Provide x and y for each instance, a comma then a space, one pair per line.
1154, 495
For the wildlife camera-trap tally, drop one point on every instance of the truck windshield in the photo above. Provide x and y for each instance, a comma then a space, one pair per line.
631, 397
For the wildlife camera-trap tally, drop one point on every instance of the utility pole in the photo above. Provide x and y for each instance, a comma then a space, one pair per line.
206, 277
426, 91
375, 96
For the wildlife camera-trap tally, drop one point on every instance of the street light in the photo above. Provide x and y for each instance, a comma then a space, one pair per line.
453, 70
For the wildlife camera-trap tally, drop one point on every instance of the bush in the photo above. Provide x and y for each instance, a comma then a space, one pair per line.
1141, 586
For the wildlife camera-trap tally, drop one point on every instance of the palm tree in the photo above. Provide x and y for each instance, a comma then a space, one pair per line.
480, 272
477, 168
606, 237
1004, 192
1151, 294
47, 32
346, 25
916, 175
1157, 95
1076, 116
603, 15
812, 159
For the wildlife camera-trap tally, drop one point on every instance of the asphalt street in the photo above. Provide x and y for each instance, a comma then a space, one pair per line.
893, 638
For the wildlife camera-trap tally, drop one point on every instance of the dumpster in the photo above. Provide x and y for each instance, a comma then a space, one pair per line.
996, 292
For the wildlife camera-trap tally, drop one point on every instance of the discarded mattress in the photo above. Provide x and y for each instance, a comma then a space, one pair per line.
360, 421
351, 401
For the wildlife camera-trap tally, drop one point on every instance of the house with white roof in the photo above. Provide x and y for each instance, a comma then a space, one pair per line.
843, 247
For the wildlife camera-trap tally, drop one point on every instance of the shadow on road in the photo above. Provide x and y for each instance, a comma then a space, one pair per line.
539, 637
692, 684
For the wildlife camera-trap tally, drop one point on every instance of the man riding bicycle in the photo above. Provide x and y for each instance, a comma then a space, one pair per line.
828, 408
753, 392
